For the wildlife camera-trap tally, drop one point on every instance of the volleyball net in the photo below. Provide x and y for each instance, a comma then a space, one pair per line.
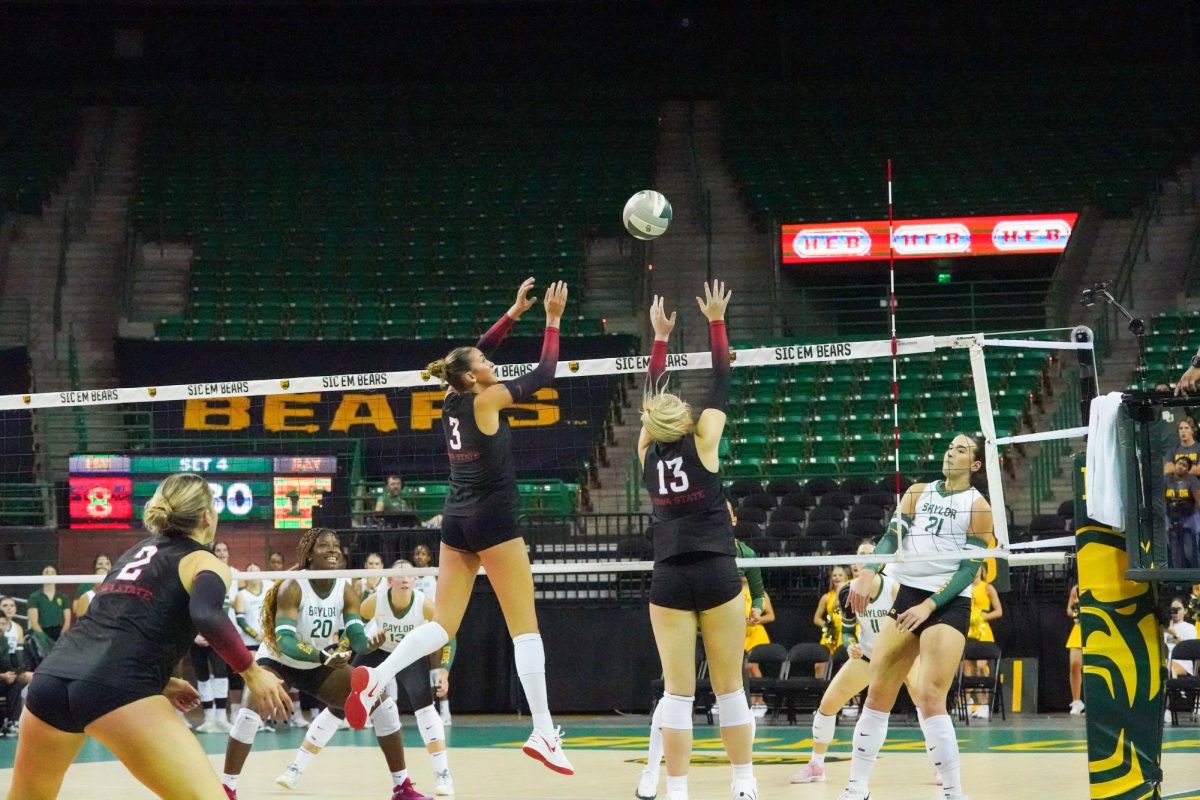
810, 456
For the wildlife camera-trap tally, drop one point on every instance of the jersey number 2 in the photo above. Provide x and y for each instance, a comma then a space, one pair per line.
133, 570
679, 478
455, 436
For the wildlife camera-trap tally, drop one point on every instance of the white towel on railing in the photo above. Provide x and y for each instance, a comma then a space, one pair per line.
1102, 482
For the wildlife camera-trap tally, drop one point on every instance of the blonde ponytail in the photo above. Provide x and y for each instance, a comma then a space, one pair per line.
178, 505
666, 417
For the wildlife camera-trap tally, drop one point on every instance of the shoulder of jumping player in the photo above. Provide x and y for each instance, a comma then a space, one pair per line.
287, 600
199, 561
981, 519
369, 605
908, 503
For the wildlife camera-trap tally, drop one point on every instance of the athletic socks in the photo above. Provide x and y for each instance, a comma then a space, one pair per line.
677, 784
531, 669
743, 772
942, 746
229, 780
398, 778
654, 755
301, 759
441, 761
869, 735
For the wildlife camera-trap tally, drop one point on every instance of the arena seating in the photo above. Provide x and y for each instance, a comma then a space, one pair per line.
354, 216
36, 139
1170, 344
816, 151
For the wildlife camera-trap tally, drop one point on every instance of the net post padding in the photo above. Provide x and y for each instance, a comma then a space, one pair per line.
991, 454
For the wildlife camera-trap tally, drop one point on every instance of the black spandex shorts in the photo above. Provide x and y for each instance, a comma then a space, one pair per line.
305, 680
71, 705
207, 663
413, 680
956, 613
478, 532
695, 581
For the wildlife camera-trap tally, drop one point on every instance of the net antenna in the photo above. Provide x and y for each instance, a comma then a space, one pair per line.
895, 355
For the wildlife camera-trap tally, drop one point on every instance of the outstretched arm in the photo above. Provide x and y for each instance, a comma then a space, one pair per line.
712, 418
662, 325
505, 394
495, 334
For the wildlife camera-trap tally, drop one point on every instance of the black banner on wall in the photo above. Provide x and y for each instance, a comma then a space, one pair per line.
400, 428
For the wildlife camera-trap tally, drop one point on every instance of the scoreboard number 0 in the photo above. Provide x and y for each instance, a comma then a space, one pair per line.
237, 499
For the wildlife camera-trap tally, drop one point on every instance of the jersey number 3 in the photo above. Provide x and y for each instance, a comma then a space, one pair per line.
679, 478
455, 436
133, 570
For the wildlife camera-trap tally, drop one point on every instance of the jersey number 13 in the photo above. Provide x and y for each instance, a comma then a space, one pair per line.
679, 478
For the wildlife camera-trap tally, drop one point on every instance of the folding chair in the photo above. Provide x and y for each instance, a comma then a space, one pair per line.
989, 684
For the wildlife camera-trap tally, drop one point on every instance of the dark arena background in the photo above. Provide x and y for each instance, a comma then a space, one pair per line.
262, 220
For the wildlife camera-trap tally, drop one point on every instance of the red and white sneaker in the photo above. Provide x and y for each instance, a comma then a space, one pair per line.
810, 773
365, 690
546, 746
229, 793
406, 791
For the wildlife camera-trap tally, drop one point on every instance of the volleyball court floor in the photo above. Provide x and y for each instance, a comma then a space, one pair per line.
1034, 757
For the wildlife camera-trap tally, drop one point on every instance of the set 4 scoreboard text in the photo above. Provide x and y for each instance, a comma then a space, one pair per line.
109, 491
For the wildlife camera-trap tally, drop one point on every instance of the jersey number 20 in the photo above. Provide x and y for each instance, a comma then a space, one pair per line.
322, 629
679, 478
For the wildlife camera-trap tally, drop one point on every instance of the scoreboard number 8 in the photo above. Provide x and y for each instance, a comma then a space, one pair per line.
238, 500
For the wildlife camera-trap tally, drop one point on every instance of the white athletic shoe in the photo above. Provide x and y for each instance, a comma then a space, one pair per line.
853, 794
443, 784
1076, 708
289, 777
547, 747
677, 796
810, 773
982, 712
365, 689
745, 789
647, 788
759, 710
223, 724
210, 726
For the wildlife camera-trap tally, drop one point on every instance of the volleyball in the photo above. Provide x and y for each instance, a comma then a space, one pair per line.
647, 215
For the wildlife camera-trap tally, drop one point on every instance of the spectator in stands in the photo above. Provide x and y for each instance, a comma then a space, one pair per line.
1194, 604
15, 633
1178, 630
275, 562
985, 607
828, 616
1183, 517
11, 684
1075, 648
49, 611
1187, 446
390, 501
368, 586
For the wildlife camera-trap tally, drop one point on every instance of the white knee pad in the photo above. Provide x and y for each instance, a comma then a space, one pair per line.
429, 722
823, 727
220, 688
734, 709
385, 719
205, 689
676, 712
245, 726
322, 729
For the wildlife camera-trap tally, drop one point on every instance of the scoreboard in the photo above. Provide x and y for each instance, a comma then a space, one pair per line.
109, 491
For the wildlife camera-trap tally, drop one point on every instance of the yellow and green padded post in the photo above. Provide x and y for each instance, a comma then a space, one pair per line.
1122, 663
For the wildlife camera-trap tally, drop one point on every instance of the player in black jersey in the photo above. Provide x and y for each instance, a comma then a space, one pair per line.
108, 677
479, 523
695, 580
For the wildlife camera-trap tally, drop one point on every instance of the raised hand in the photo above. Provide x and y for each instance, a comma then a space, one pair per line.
524, 300
716, 299
662, 324
555, 303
